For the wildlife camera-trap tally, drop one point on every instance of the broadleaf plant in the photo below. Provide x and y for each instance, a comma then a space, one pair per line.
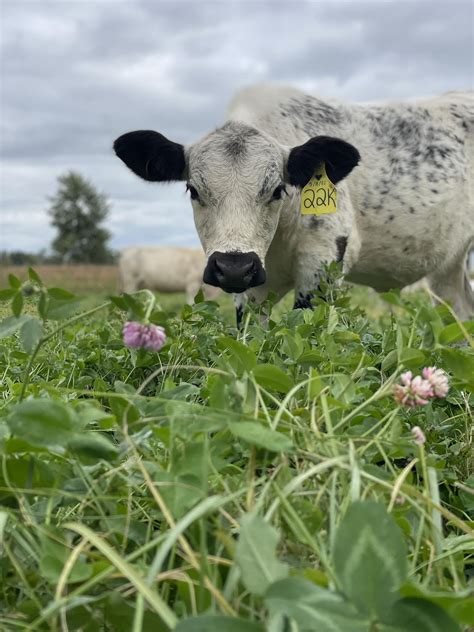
263, 479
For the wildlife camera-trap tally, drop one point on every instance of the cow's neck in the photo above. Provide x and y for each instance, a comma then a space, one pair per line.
282, 251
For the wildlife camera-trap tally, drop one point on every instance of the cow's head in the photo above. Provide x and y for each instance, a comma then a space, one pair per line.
236, 178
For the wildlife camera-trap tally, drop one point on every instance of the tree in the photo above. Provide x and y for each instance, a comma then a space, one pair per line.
77, 211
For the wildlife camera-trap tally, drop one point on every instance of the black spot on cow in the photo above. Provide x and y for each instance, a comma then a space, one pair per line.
436, 154
235, 147
412, 210
434, 190
303, 301
434, 176
341, 245
396, 131
429, 153
406, 249
236, 139
311, 114
322, 112
391, 218
239, 314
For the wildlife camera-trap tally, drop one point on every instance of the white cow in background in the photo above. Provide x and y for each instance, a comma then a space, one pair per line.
164, 269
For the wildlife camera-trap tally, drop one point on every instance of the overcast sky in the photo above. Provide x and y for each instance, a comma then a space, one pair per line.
77, 74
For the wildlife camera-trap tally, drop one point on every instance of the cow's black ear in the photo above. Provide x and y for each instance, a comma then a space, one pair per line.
340, 158
151, 156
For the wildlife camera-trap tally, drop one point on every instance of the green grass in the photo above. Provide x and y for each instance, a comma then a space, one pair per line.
266, 475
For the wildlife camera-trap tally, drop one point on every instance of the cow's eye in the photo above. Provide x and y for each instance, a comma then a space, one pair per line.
192, 192
277, 193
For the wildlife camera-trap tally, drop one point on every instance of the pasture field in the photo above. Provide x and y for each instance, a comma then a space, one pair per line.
262, 480
80, 279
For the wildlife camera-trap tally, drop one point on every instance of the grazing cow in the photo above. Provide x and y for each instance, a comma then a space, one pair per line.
405, 212
164, 269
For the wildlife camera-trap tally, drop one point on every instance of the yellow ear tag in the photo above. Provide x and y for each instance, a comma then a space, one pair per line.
319, 196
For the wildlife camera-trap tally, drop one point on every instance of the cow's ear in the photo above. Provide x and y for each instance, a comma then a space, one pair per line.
151, 156
340, 158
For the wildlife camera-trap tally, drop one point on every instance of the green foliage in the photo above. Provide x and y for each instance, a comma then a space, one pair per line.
370, 565
272, 377
223, 624
370, 558
419, 616
257, 434
261, 480
313, 608
30, 334
255, 555
77, 212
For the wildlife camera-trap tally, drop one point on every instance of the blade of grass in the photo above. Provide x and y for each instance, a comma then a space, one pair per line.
155, 601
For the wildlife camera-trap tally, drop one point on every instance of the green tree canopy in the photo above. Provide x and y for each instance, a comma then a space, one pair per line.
77, 212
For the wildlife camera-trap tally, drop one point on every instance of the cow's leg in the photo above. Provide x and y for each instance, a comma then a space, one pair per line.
240, 301
325, 239
256, 295
452, 285
192, 288
314, 254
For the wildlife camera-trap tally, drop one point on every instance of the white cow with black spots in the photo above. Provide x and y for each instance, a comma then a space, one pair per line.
404, 177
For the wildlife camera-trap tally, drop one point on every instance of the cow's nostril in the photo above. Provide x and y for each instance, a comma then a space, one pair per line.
248, 268
220, 269
219, 266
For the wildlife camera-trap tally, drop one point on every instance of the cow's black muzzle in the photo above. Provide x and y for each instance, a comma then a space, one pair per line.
234, 272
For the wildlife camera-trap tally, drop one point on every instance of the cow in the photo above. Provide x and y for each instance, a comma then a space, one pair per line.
164, 269
405, 192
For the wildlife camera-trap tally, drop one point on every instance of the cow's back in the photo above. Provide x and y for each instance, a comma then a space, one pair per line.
413, 191
164, 268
